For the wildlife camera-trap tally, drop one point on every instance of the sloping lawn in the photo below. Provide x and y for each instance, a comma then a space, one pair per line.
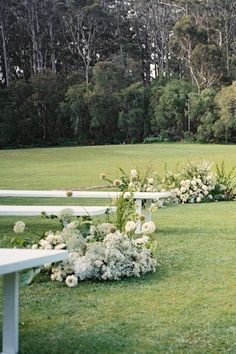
187, 306
76, 167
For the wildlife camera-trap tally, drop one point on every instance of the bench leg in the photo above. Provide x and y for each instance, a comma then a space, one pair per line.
138, 205
147, 210
10, 339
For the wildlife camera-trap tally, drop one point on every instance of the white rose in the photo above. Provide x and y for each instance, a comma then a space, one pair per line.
71, 281
130, 226
148, 227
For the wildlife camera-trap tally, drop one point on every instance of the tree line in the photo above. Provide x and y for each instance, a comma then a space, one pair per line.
112, 71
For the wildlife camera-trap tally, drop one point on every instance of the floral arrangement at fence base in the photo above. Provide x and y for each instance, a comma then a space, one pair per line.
196, 183
100, 251
133, 181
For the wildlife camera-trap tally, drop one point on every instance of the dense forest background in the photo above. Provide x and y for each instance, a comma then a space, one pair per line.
117, 71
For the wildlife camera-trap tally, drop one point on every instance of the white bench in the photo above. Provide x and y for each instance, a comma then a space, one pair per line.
79, 210
11, 262
34, 210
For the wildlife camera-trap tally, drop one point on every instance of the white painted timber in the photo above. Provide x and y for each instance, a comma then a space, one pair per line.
11, 262
15, 260
80, 211
80, 194
34, 210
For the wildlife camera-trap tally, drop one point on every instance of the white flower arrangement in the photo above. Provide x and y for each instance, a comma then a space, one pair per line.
133, 181
196, 183
104, 253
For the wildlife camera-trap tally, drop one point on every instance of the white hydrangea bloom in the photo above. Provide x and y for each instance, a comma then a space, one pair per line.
19, 227
83, 268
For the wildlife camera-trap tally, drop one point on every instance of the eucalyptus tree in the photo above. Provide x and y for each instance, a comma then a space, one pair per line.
6, 19
84, 27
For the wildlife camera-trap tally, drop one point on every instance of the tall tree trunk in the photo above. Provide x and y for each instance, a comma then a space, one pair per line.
5, 56
53, 55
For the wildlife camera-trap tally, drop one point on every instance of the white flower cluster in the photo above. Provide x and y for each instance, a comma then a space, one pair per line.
138, 184
196, 189
51, 241
99, 232
105, 254
194, 184
19, 227
116, 257
68, 238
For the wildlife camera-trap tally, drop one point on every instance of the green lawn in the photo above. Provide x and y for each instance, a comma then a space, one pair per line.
187, 306
77, 167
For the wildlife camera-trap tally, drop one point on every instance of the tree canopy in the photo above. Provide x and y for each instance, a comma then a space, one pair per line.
105, 71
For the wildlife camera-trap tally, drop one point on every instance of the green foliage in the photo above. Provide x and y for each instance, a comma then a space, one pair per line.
154, 139
31, 113
226, 101
75, 71
76, 106
133, 116
135, 181
104, 111
208, 64
203, 113
125, 211
27, 277
171, 110
226, 181
186, 28
48, 92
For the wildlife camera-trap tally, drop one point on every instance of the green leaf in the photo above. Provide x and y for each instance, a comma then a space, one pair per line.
28, 277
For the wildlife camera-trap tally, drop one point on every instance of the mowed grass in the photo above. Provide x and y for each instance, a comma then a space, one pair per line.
187, 306
76, 167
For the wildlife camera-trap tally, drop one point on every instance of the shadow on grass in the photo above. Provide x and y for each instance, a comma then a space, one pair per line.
131, 334
182, 231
